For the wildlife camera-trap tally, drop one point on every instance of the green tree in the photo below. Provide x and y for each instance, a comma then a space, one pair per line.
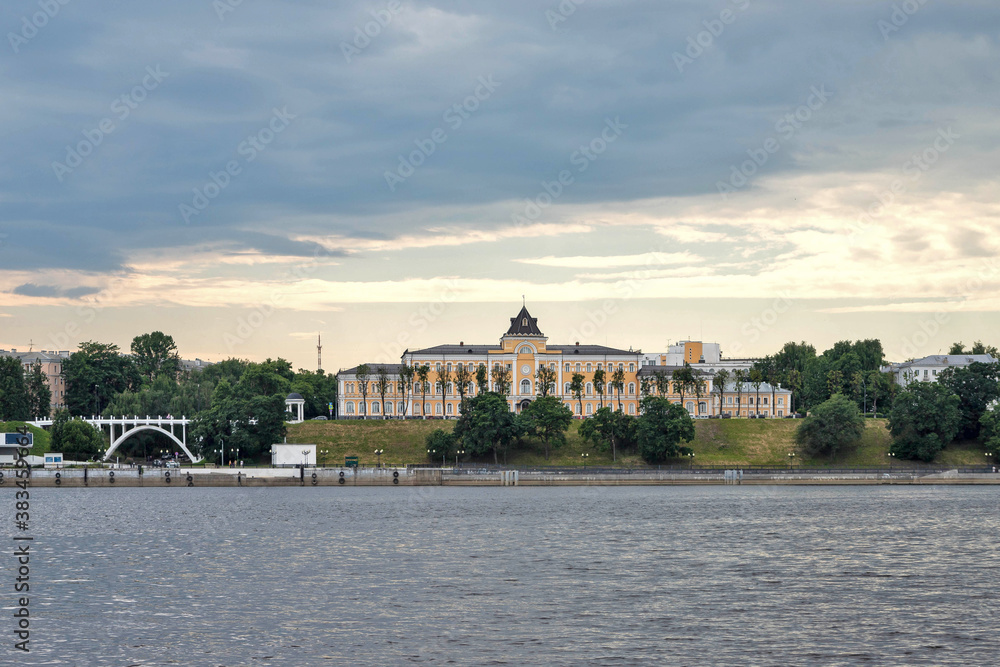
488, 425
15, 403
719, 384
94, 374
382, 384
79, 441
444, 377
501, 380
661, 429
618, 382
835, 382
662, 381
362, 373
794, 381
977, 386
756, 378
547, 418
155, 354
990, 430
683, 381
831, 427
610, 430
576, 387
979, 347
406, 373
39, 394
482, 379
925, 417
463, 381
423, 372
740, 380
956, 348
599, 384
441, 444
546, 378
250, 423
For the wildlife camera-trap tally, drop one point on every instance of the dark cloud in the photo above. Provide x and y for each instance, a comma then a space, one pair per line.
353, 120
50, 291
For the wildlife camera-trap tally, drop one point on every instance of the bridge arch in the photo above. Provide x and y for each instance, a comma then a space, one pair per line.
147, 427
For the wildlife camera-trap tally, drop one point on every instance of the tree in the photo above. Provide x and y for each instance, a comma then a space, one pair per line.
482, 379
756, 378
576, 386
683, 381
546, 380
488, 425
990, 430
362, 373
956, 348
831, 427
15, 403
794, 381
39, 394
250, 423
79, 441
406, 373
94, 374
382, 384
662, 381
444, 377
608, 429
721, 378
618, 382
501, 380
661, 428
977, 386
699, 390
835, 382
773, 377
441, 443
740, 378
981, 348
924, 418
423, 372
547, 418
599, 384
463, 378
156, 353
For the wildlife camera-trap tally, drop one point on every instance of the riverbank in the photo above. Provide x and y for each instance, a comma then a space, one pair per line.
261, 477
721, 442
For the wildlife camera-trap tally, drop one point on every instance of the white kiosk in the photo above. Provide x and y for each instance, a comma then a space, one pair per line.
290, 456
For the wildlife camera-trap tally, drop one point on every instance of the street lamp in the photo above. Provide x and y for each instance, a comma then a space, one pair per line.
892, 455
457, 454
324, 452
585, 456
305, 453
791, 459
691, 460
378, 453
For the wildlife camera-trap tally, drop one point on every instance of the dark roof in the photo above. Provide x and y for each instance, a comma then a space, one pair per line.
651, 370
294, 397
524, 324
391, 369
455, 349
588, 349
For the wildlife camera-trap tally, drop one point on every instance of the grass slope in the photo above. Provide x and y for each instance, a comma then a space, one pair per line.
735, 442
40, 437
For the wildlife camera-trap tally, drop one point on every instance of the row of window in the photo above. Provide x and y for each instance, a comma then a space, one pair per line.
567, 367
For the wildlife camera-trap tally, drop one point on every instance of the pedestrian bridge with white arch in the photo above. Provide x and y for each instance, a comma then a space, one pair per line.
129, 426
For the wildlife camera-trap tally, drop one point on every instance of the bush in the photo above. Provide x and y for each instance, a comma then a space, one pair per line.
831, 427
661, 428
924, 418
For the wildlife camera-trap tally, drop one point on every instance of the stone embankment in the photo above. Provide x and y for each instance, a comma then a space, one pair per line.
247, 477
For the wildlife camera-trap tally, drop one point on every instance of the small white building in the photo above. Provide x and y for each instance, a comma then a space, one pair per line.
930, 368
295, 406
284, 455
53, 460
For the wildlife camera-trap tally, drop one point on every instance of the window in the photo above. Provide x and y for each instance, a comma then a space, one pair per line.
631, 388
508, 366
416, 408
590, 389
566, 368
631, 408
577, 410
631, 368
690, 406
437, 367
781, 413
524, 321
525, 349
450, 409
599, 367
449, 366
402, 407
437, 408
525, 386
781, 400
388, 408
451, 388
702, 408
590, 409
765, 400
350, 407
578, 368
729, 400
374, 408
437, 387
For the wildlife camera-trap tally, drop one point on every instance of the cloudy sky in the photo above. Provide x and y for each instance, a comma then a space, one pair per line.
244, 175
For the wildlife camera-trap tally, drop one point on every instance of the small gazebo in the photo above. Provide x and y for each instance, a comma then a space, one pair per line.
296, 405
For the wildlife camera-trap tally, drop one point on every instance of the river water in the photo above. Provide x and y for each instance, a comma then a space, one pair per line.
516, 576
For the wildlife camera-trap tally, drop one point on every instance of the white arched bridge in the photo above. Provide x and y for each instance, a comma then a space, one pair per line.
129, 426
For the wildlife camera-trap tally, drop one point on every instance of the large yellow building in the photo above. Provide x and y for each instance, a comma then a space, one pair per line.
522, 351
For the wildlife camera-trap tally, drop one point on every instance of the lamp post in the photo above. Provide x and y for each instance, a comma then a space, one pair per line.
892, 455
457, 454
305, 453
990, 459
97, 400
235, 459
324, 452
585, 456
691, 460
378, 453
791, 459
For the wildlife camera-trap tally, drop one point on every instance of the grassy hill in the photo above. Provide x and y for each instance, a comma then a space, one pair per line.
40, 436
735, 442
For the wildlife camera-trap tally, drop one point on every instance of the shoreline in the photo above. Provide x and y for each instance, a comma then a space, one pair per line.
285, 477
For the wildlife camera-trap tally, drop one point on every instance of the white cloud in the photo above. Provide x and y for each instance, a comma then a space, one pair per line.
648, 259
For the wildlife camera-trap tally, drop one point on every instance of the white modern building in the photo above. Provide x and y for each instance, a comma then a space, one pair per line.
704, 357
930, 368
285, 455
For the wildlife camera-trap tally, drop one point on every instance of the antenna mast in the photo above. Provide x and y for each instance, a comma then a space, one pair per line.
319, 353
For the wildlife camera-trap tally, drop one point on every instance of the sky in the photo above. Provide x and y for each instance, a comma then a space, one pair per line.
246, 175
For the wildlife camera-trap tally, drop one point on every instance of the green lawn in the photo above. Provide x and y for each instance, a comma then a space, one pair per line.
732, 442
39, 435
